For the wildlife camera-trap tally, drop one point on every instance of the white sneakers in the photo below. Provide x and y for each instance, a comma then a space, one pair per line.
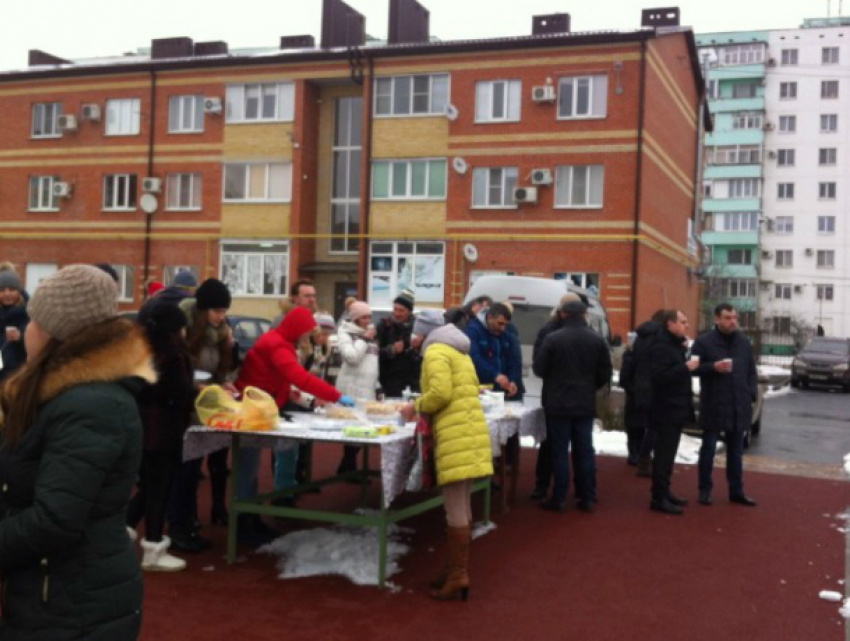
157, 559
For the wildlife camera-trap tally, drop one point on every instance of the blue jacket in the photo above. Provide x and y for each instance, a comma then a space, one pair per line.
491, 354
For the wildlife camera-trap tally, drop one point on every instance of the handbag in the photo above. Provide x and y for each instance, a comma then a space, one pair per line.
422, 471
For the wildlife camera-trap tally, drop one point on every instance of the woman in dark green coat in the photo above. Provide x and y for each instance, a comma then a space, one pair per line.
70, 446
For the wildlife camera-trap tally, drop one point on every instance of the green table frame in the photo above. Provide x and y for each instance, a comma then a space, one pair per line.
382, 519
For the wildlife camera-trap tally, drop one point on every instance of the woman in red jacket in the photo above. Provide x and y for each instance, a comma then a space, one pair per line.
272, 365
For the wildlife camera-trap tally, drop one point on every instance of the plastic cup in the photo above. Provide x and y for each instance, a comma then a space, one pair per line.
728, 361
695, 359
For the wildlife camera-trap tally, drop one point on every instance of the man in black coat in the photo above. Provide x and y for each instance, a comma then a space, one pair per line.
399, 362
729, 386
672, 405
574, 363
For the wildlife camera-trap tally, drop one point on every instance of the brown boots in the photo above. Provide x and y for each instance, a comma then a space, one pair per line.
456, 581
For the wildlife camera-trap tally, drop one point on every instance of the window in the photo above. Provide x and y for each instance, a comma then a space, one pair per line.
122, 117
829, 123
829, 55
782, 291
125, 282
409, 179
706, 189
825, 292
737, 221
578, 186
41, 193
257, 182
789, 56
784, 225
785, 157
253, 269
416, 266
585, 280
788, 90
183, 191
746, 120
743, 54
785, 191
265, 102
739, 257
737, 155
119, 192
497, 100
740, 288
711, 90
785, 258
745, 90
827, 156
826, 191
781, 325
744, 188
44, 115
493, 186
826, 224
582, 97
37, 272
826, 258
169, 272
747, 319
829, 89
423, 95
345, 192
787, 124
185, 114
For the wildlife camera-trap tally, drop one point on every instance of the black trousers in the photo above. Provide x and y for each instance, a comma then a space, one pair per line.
667, 437
156, 478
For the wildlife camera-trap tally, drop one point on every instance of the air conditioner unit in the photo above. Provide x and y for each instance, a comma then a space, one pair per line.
771, 154
798, 289
62, 190
525, 194
771, 62
90, 112
810, 252
768, 126
66, 122
543, 93
766, 254
151, 185
212, 105
541, 176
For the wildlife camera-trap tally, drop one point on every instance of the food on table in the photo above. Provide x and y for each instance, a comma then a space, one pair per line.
377, 408
340, 413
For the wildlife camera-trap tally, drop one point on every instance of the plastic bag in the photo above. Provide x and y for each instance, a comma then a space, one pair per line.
423, 474
257, 412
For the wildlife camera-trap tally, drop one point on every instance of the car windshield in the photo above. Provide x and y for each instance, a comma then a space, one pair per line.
838, 348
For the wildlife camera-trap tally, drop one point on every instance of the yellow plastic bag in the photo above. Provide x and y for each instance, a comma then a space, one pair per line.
256, 412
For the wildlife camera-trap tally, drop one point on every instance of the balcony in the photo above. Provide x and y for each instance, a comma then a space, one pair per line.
731, 204
725, 136
737, 72
714, 172
737, 238
724, 270
722, 105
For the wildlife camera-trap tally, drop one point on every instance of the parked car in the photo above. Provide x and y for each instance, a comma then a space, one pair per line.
823, 361
246, 331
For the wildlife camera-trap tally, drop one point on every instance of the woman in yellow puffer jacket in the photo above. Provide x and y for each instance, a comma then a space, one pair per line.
461, 438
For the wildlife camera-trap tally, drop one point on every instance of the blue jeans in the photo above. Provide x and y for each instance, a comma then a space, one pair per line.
577, 432
249, 465
734, 461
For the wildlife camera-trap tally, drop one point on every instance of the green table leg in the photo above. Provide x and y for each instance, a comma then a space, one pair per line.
364, 480
234, 500
382, 545
308, 464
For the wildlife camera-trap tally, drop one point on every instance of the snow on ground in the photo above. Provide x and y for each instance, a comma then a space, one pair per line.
830, 595
847, 463
773, 393
844, 610
773, 370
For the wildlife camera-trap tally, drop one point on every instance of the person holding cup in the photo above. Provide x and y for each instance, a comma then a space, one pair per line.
13, 323
728, 389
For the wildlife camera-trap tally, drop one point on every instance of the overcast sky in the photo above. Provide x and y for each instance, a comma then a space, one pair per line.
88, 28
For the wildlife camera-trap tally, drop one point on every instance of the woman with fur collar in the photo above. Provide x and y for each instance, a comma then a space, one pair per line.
13, 323
70, 446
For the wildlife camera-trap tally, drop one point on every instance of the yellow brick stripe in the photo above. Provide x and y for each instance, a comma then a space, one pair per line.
656, 158
628, 134
672, 90
545, 150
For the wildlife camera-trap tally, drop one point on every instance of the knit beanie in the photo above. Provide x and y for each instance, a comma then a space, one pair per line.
325, 321
426, 321
405, 298
212, 294
185, 279
154, 286
72, 299
165, 319
358, 309
10, 280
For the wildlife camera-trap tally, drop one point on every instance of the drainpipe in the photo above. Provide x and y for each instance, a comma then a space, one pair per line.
366, 181
638, 180
149, 217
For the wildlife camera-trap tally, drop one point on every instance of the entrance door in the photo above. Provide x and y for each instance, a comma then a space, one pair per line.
342, 291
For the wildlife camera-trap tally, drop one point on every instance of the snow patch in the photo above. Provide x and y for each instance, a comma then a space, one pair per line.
614, 444
830, 595
847, 463
782, 391
844, 610
480, 529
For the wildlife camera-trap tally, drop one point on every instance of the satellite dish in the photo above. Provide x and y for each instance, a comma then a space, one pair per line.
452, 112
470, 252
459, 165
148, 203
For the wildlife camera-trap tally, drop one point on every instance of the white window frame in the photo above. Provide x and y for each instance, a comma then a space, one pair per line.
825, 292
784, 191
44, 117
123, 117
786, 157
787, 124
169, 272
751, 87
390, 82
745, 188
253, 255
568, 182
124, 192
507, 192
725, 222
37, 272
789, 57
827, 156
173, 191
826, 90
485, 104
745, 253
431, 164
826, 225
743, 54
829, 55
783, 291
238, 95
784, 258
389, 278
594, 110
825, 259
126, 280
747, 120
789, 89
783, 225
246, 168
740, 288
831, 122
183, 107
44, 186
827, 190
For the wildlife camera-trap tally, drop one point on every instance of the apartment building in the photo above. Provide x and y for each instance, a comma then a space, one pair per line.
369, 167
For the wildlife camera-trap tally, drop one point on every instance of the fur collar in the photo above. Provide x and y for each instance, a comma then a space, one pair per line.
103, 353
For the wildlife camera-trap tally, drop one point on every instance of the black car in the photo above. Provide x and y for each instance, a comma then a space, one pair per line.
823, 361
246, 331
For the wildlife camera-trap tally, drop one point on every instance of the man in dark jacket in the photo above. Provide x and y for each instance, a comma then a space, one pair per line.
183, 287
399, 363
672, 405
491, 350
729, 386
574, 363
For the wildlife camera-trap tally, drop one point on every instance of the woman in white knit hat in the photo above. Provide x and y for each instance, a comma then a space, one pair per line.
70, 446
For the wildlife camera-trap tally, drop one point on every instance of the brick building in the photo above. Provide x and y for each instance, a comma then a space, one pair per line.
368, 167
